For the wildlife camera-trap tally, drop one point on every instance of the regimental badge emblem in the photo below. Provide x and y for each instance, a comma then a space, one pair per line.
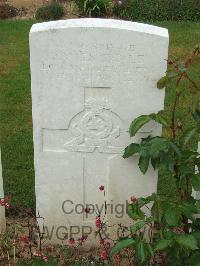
96, 127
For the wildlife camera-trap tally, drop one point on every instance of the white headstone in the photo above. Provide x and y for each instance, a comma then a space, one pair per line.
90, 79
2, 208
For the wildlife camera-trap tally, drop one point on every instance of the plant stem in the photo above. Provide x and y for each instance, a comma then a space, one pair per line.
30, 238
173, 125
102, 239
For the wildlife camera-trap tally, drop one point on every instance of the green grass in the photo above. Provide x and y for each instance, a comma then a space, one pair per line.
183, 38
15, 103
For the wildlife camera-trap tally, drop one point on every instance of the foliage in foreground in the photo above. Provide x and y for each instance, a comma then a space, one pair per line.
175, 220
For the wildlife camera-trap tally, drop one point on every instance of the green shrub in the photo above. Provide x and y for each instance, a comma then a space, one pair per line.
94, 8
51, 11
172, 230
7, 11
158, 10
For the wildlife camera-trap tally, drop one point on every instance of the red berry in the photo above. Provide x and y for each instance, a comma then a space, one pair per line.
87, 210
7, 198
101, 241
45, 258
101, 188
71, 241
107, 244
133, 199
98, 222
103, 255
38, 254
24, 239
7, 205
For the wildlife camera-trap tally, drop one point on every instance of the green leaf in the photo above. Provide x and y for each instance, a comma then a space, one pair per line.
149, 250
185, 169
134, 212
187, 241
138, 123
140, 252
162, 244
198, 206
198, 104
189, 155
188, 210
188, 135
131, 150
195, 259
143, 164
197, 163
159, 118
174, 257
162, 82
197, 236
158, 145
143, 251
137, 226
156, 210
142, 201
196, 182
196, 116
162, 120
155, 162
172, 216
175, 148
167, 162
121, 244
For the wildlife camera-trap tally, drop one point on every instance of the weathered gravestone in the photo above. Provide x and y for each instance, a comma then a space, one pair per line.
2, 208
90, 79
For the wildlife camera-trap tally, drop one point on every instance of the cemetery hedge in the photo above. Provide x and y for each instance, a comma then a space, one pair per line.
158, 10
51, 11
15, 103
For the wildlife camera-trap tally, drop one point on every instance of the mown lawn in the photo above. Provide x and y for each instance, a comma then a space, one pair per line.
15, 103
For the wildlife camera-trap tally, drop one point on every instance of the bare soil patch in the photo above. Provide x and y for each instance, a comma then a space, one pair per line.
26, 9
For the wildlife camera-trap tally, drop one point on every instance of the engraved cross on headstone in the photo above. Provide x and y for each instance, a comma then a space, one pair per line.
89, 79
96, 129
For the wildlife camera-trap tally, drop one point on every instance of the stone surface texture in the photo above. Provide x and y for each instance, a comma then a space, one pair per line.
89, 79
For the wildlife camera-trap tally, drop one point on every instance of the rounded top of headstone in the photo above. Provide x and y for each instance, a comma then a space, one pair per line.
99, 23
